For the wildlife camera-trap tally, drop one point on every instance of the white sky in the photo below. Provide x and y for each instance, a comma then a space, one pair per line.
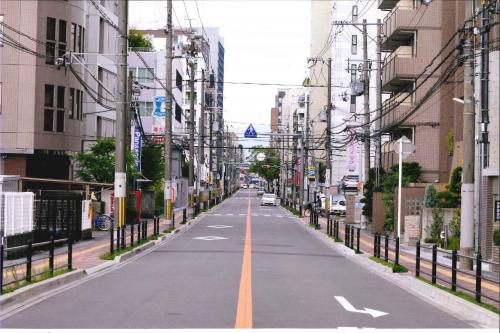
264, 41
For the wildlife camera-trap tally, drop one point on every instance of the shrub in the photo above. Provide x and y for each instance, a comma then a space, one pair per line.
455, 223
437, 224
430, 196
447, 199
455, 184
496, 237
429, 240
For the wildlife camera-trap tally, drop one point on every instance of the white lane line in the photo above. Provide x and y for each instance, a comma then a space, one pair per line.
267, 215
219, 226
209, 238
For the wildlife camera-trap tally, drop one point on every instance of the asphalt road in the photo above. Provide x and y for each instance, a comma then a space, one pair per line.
258, 268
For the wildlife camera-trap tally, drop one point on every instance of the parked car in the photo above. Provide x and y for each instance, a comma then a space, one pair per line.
244, 186
350, 182
260, 191
251, 186
268, 199
338, 205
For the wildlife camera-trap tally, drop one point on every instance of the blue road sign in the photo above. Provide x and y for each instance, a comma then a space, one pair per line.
158, 111
250, 132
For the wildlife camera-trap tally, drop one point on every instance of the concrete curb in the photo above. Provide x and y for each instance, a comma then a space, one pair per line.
10, 300
444, 301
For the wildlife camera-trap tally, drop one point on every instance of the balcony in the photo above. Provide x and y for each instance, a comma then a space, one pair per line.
399, 72
396, 111
387, 4
397, 28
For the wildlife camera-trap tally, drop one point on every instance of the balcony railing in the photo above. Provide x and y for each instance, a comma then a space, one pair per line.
398, 72
387, 4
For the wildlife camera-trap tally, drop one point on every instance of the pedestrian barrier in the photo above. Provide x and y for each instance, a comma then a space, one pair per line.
377, 244
23, 272
453, 283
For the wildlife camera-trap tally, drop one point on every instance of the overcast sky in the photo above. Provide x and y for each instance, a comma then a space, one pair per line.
265, 41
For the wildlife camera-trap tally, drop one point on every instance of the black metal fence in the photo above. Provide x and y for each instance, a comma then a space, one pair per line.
452, 282
25, 271
377, 246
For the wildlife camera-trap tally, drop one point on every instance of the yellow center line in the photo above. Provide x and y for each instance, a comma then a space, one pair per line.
244, 308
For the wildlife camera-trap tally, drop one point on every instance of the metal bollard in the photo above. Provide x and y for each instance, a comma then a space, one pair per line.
346, 234
397, 251
478, 276
352, 238
123, 237
454, 270
357, 243
386, 248
145, 229
111, 240
379, 238
118, 237
184, 212
173, 222
1, 268
29, 257
70, 254
375, 245
434, 263
132, 234
51, 256
417, 260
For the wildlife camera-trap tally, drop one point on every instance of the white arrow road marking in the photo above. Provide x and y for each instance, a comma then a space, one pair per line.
219, 226
348, 307
210, 238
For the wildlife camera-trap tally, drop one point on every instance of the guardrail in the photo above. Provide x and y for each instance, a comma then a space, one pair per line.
28, 273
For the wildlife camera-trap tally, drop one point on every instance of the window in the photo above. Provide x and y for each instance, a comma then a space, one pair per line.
1, 30
145, 76
354, 14
48, 120
71, 110
80, 116
145, 108
62, 38
51, 28
60, 109
49, 95
77, 102
60, 121
178, 113
73, 37
101, 35
178, 80
50, 47
60, 97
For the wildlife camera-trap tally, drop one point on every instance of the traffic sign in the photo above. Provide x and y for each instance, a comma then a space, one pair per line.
250, 132
261, 157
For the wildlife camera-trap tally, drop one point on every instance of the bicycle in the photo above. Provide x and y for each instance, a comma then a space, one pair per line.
103, 222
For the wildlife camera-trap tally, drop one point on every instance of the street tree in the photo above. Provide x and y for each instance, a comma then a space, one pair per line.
268, 168
98, 163
137, 39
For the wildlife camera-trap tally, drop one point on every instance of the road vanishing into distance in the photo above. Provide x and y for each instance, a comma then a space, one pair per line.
241, 265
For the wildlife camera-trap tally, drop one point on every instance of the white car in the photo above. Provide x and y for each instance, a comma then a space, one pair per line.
337, 205
268, 199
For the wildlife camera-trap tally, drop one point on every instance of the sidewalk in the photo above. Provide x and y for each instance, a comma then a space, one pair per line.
466, 282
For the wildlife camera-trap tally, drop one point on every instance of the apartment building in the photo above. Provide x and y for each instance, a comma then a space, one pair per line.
210, 60
414, 32
42, 105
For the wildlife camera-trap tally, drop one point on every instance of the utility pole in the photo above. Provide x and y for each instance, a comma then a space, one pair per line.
191, 131
306, 162
329, 126
168, 119
302, 166
294, 157
484, 120
210, 143
366, 101
201, 137
378, 123
120, 186
467, 211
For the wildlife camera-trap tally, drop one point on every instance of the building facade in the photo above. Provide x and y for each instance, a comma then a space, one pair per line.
41, 117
